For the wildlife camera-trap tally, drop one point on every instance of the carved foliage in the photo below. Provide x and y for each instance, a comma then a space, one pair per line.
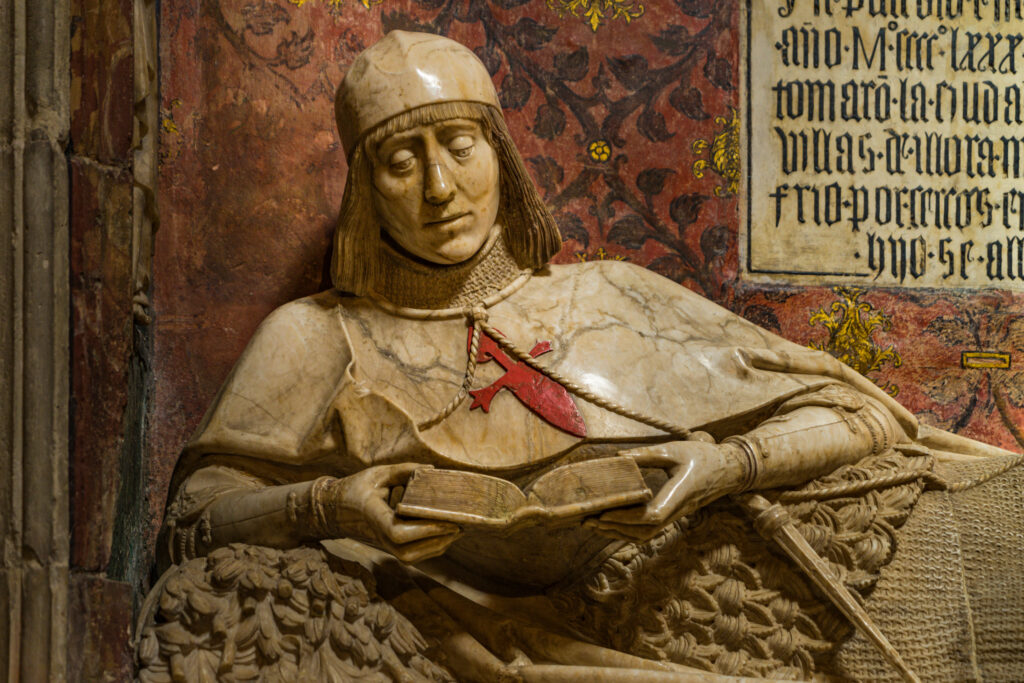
254, 613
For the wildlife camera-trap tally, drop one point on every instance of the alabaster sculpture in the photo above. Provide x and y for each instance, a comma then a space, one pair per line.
463, 463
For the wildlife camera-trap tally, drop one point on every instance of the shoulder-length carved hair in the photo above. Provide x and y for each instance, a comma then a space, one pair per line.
528, 227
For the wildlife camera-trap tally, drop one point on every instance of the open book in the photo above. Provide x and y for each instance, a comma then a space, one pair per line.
563, 494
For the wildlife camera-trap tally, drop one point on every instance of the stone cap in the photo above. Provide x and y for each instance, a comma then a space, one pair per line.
403, 71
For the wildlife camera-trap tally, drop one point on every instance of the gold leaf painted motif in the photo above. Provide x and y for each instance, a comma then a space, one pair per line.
851, 324
365, 3
599, 255
594, 12
723, 155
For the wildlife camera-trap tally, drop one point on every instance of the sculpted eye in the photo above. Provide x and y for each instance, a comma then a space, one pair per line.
461, 146
401, 160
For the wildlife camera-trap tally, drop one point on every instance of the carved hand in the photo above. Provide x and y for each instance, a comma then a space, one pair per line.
699, 472
813, 434
356, 506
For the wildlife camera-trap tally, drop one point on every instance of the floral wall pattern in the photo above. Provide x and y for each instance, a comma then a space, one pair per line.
626, 115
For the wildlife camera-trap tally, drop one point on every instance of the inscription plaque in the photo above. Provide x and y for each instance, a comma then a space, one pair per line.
883, 142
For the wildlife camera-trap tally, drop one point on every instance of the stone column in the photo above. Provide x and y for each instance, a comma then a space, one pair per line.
34, 313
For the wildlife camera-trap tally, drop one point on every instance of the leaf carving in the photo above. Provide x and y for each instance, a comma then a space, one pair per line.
266, 624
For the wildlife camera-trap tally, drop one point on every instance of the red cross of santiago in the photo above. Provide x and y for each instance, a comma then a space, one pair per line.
541, 394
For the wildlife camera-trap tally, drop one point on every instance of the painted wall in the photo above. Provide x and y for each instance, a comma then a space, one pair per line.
625, 118
108, 563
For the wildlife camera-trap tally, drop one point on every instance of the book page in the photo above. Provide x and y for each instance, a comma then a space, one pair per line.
461, 497
481, 500
590, 485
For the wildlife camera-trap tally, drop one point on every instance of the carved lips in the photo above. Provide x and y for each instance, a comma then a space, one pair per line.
542, 395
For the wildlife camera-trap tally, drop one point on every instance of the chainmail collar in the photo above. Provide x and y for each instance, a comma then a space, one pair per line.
415, 284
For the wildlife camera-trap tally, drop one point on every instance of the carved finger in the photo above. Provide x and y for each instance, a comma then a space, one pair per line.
399, 532
648, 457
409, 532
422, 550
396, 475
676, 498
635, 533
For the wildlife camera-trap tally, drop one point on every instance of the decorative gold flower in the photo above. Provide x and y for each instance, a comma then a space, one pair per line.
599, 150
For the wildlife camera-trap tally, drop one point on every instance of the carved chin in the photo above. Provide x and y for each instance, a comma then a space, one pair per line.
457, 250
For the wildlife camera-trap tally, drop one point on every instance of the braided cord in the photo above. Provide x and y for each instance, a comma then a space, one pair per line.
467, 380
924, 474
854, 488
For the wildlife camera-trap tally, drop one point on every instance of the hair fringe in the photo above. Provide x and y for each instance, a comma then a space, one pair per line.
529, 229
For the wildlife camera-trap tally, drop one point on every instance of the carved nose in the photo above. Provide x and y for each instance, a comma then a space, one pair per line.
438, 186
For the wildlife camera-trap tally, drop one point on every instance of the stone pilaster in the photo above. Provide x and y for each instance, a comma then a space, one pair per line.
34, 313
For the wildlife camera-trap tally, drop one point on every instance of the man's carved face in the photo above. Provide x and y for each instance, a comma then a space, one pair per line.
437, 189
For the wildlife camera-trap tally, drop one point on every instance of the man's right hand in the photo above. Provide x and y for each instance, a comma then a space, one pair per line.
357, 507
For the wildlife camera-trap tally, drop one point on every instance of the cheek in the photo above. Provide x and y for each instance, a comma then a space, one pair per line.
394, 196
388, 186
482, 179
